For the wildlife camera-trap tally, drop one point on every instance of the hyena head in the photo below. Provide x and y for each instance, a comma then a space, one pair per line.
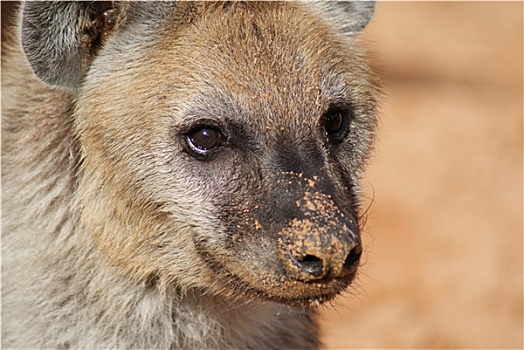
220, 144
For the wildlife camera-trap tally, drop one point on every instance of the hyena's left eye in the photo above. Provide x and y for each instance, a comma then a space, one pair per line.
205, 139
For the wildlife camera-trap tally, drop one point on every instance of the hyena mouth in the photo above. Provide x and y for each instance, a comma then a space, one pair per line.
276, 286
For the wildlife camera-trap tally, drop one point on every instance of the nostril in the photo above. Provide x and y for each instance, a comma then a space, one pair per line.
353, 258
311, 264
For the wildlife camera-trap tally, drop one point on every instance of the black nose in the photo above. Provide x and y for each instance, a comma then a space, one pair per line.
319, 240
317, 261
314, 265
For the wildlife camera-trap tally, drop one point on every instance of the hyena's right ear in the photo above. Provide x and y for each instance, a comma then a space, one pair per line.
349, 17
60, 38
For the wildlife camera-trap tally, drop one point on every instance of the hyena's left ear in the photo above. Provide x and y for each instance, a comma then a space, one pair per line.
60, 38
348, 16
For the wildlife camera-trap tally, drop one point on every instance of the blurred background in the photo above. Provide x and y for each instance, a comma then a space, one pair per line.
444, 238
443, 267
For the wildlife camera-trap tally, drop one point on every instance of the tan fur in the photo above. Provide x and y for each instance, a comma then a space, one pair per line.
100, 203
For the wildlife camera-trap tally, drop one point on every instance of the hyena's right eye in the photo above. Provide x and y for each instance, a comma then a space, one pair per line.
205, 139
336, 123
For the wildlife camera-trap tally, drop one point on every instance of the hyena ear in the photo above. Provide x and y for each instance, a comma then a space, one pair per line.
348, 16
60, 38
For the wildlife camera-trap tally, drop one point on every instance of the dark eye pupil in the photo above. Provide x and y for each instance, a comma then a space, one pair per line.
205, 139
334, 122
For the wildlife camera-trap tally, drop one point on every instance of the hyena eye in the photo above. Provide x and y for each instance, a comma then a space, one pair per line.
205, 139
336, 122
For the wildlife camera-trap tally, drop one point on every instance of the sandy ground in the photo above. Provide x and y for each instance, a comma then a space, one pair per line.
444, 265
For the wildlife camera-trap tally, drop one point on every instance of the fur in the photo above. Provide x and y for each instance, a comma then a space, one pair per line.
115, 234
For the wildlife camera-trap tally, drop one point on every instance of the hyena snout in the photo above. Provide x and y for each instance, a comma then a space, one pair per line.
321, 248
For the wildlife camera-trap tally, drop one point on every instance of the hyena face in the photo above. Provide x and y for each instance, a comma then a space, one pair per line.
221, 146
